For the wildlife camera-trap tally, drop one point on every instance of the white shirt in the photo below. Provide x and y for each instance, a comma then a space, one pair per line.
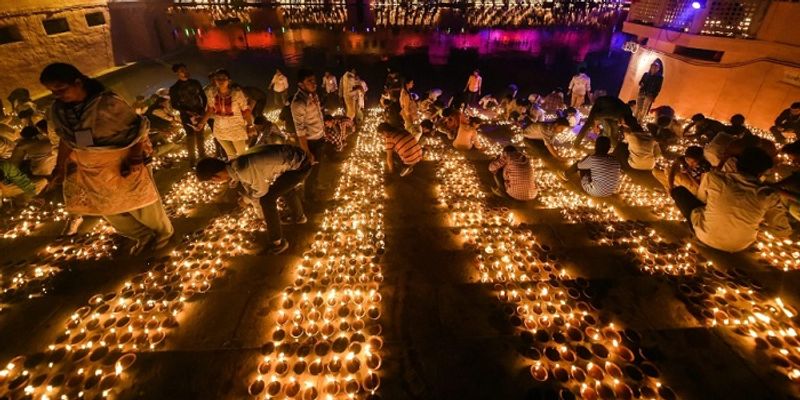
279, 83
580, 84
643, 150
735, 208
329, 82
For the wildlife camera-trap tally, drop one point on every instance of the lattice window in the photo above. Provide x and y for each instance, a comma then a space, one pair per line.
734, 17
678, 15
646, 12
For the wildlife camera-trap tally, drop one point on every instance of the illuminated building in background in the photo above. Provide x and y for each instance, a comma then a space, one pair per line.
721, 57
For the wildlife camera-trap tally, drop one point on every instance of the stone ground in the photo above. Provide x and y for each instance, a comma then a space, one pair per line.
446, 335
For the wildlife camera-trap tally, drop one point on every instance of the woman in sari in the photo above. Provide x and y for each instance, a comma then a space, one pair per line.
233, 119
101, 158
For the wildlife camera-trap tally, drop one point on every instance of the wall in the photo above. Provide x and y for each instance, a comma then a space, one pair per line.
780, 24
142, 30
89, 48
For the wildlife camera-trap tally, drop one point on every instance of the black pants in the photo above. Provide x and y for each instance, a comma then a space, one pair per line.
287, 186
685, 201
500, 181
471, 98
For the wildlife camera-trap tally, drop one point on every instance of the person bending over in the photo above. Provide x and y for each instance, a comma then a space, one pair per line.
545, 132
787, 124
403, 144
730, 207
513, 175
266, 173
608, 111
686, 171
600, 172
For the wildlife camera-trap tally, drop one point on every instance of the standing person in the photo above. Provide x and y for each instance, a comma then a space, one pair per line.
360, 87
473, 88
649, 88
331, 87
267, 173
187, 96
600, 172
403, 144
787, 122
409, 109
103, 145
280, 88
231, 113
643, 150
608, 111
729, 208
579, 87
513, 175
308, 123
349, 95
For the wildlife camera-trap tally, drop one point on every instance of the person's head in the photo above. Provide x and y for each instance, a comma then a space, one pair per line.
561, 124
385, 128
737, 120
212, 169
29, 132
602, 146
694, 156
474, 122
409, 84
328, 119
795, 108
278, 72
793, 151
448, 112
222, 79
582, 70
25, 115
663, 121
510, 149
631, 103
570, 111
67, 83
427, 126
698, 117
476, 72
307, 81
41, 126
181, 70
261, 121
753, 162
655, 68
514, 115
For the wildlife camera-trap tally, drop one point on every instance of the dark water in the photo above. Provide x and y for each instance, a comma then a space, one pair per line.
538, 49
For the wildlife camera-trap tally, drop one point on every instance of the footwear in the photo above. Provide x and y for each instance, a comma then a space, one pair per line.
562, 175
72, 225
496, 191
406, 171
280, 247
161, 243
141, 246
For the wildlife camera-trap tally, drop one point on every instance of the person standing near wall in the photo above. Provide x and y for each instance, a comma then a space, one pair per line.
187, 96
280, 88
649, 88
102, 149
473, 88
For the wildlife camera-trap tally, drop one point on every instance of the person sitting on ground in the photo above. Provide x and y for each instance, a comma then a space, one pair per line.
600, 172
513, 175
266, 173
467, 136
737, 127
554, 101
266, 133
704, 127
609, 111
488, 102
573, 116
643, 150
536, 112
545, 131
686, 171
787, 124
337, 129
34, 153
715, 150
427, 128
400, 143
14, 183
450, 122
789, 186
729, 208
738, 145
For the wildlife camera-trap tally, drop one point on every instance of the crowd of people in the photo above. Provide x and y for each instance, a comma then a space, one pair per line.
98, 148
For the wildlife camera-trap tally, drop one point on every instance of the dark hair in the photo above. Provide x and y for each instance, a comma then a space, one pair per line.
510, 149
426, 124
514, 115
208, 167
570, 110
698, 117
25, 114
448, 111
796, 105
631, 103
792, 148
176, 67
68, 73
29, 132
753, 162
602, 146
737, 120
695, 153
582, 70
385, 127
260, 120
41, 125
304, 73
663, 121
222, 71
327, 117
561, 121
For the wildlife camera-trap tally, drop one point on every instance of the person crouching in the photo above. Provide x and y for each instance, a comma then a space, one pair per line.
400, 142
513, 175
266, 173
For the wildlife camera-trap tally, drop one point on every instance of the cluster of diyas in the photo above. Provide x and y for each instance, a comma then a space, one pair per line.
563, 333
100, 339
783, 253
657, 201
408, 15
730, 299
308, 14
31, 217
188, 193
326, 338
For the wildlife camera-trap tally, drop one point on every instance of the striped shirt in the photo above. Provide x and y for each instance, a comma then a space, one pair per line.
405, 145
517, 175
604, 175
